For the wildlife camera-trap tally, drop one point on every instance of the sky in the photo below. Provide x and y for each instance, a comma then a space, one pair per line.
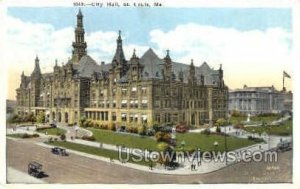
254, 45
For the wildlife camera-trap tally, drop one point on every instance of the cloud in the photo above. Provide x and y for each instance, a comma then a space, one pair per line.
208, 42
249, 57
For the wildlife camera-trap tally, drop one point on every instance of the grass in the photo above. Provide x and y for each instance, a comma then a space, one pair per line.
206, 142
96, 151
192, 140
52, 131
282, 130
133, 141
17, 135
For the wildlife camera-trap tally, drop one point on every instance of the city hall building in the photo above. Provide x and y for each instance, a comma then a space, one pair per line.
138, 90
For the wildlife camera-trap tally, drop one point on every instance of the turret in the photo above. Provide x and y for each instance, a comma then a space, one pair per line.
79, 46
119, 57
167, 67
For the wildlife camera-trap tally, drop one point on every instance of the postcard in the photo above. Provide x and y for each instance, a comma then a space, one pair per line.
153, 92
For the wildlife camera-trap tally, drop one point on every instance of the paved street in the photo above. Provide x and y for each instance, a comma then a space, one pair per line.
79, 169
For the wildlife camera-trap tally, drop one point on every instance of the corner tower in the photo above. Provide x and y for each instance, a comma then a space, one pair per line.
79, 46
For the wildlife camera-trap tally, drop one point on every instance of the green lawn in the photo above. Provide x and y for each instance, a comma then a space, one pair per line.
283, 130
128, 140
96, 151
53, 131
206, 142
192, 140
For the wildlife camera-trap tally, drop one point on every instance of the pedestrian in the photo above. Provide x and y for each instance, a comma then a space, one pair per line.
150, 165
46, 133
191, 167
199, 163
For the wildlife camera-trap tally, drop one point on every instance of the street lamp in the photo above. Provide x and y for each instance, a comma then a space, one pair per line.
182, 145
225, 137
76, 130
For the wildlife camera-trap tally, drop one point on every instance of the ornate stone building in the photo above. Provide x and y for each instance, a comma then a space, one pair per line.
257, 100
139, 90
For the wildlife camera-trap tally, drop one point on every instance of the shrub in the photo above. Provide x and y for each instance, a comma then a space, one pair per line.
89, 138
112, 126
218, 130
163, 137
150, 132
82, 122
50, 140
206, 132
40, 117
35, 135
25, 135
156, 127
142, 130
63, 137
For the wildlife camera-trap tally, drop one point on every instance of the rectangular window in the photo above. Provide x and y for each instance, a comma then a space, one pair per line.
124, 103
144, 118
113, 116
124, 116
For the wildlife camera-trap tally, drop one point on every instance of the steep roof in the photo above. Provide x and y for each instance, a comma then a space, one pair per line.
153, 66
87, 66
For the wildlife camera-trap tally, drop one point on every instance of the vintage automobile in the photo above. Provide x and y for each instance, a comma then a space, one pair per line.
59, 151
35, 169
284, 145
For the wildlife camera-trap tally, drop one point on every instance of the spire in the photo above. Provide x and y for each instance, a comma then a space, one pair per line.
79, 19
37, 65
168, 66
168, 53
119, 55
134, 55
23, 73
56, 62
79, 46
180, 75
221, 81
192, 77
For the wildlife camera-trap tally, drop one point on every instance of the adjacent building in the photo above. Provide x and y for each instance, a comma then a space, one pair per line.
138, 90
259, 100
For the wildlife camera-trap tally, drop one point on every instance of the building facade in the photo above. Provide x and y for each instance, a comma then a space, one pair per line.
256, 100
138, 90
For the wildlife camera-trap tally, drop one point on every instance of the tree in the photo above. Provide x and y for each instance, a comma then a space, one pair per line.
142, 130
40, 117
221, 122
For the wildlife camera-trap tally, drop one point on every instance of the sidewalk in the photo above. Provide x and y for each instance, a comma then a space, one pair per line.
17, 177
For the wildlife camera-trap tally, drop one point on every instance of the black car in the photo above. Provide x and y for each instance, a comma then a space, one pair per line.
52, 125
284, 146
59, 151
35, 169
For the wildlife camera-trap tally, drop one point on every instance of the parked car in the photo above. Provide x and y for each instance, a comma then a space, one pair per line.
35, 169
52, 125
284, 145
59, 151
